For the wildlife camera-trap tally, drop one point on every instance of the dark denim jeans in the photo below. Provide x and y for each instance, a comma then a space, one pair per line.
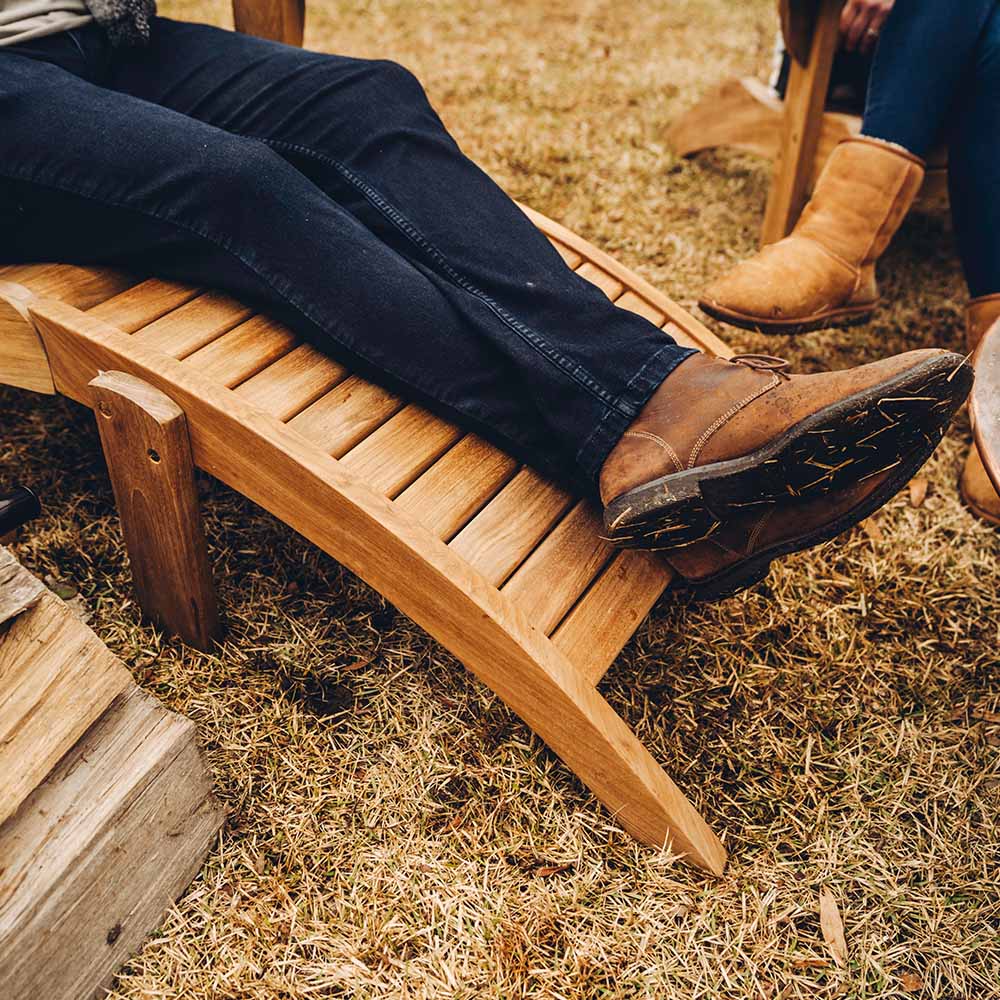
935, 78
327, 191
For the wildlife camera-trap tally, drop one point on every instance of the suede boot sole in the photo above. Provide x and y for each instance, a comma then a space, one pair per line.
845, 316
845, 443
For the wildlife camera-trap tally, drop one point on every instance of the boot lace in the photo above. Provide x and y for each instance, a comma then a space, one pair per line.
763, 363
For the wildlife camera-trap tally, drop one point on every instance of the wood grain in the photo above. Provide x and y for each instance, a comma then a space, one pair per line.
553, 577
293, 382
802, 124
23, 362
510, 527
145, 439
56, 678
100, 850
193, 324
278, 20
282, 471
457, 486
614, 606
401, 450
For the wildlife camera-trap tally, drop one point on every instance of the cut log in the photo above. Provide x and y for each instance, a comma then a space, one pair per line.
56, 678
100, 850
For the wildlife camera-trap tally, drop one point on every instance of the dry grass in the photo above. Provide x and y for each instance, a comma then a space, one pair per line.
395, 832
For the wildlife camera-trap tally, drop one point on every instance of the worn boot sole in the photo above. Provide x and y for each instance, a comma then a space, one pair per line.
752, 570
844, 316
843, 444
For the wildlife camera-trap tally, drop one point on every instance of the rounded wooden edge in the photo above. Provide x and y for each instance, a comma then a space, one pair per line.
24, 362
260, 457
676, 314
984, 404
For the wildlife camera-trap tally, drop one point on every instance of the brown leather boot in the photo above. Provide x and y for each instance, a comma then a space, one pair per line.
720, 440
823, 274
740, 553
976, 488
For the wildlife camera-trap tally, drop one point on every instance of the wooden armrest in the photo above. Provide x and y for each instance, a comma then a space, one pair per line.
984, 404
279, 20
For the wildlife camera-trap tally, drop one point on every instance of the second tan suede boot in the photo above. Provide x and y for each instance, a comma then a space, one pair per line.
823, 274
977, 489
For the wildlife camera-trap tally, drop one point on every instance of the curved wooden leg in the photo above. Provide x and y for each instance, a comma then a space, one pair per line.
742, 114
569, 714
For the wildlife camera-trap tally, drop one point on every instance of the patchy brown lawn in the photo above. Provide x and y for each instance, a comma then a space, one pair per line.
395, 831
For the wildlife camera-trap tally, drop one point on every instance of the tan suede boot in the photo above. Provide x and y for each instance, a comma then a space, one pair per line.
823, 274
977, 490
770, 462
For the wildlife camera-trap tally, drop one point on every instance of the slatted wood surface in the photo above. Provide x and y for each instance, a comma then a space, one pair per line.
507, 570
525, 535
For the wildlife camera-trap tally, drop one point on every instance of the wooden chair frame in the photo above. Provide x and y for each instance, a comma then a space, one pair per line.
797, 133
984, 403
509, 572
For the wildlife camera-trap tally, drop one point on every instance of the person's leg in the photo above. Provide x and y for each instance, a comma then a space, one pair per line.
364, 132
823, 274
920, 70
186, 199
974, 166
91, 175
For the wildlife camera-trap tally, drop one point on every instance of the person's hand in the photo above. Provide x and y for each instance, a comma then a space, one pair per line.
861, 21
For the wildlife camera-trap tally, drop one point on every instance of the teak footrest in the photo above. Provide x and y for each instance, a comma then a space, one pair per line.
504, 568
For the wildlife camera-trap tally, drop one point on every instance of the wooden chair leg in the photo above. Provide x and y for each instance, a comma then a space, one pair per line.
145, 439
805, 98
570, 715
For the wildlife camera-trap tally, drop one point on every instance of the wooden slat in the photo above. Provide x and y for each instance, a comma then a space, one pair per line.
373, 537
345, 415
293, 382
571, 257
561, 568
630, 301
611, 286
194, 324
603, 620
79, 286
401, 450
505, 532
455, 488
140, 305
243, 352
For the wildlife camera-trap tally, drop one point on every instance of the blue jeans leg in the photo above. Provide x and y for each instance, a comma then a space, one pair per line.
974, 166
327, 189
920, 69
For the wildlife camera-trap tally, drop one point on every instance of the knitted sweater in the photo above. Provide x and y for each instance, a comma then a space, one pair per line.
126, 22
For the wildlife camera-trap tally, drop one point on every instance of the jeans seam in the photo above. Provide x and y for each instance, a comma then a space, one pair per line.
562, 363
227, 247
639, 373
